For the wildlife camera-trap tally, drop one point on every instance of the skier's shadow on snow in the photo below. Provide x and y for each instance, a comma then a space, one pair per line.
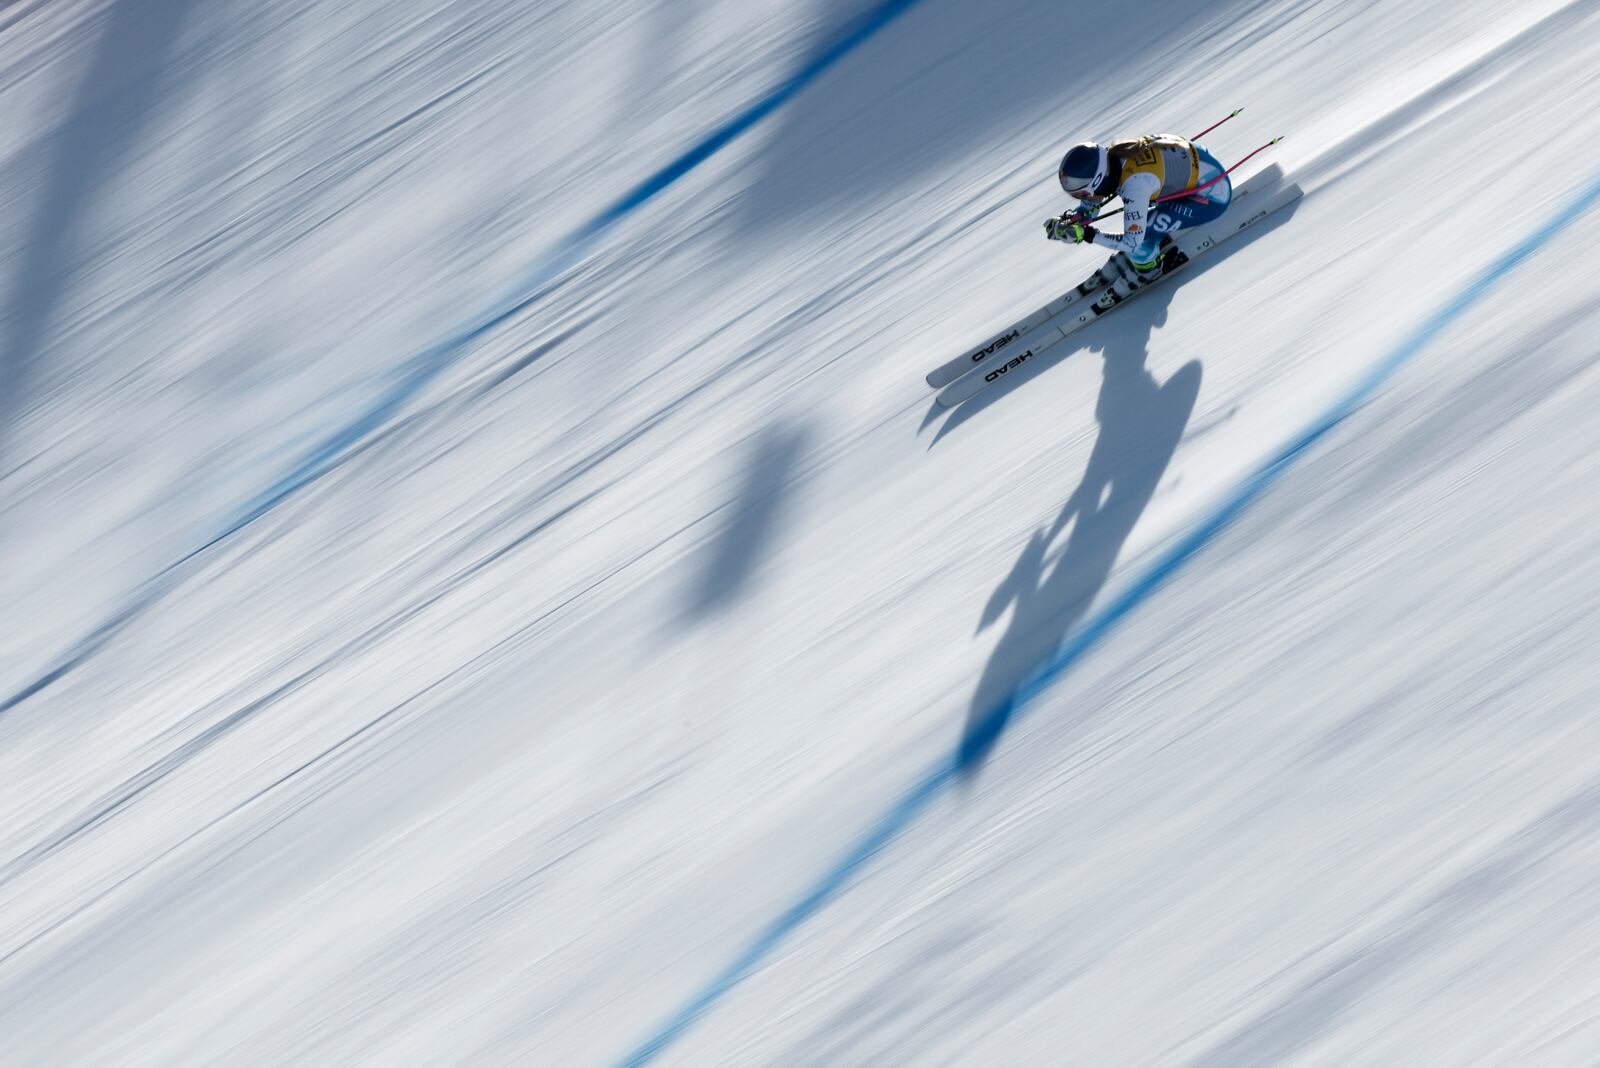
1052, 586
1141, 424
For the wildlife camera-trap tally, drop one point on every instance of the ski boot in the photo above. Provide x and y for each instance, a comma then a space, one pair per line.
1168, 257
1135, 276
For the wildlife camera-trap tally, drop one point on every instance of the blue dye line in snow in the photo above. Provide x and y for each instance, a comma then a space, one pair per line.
933, 784
429, 364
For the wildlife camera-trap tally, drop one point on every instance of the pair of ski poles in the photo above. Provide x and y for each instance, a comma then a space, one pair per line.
1204, 185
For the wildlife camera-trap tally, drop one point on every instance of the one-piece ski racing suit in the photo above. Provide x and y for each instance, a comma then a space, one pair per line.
1149, 169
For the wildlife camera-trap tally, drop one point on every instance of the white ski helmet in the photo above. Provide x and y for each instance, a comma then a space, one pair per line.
1085, 171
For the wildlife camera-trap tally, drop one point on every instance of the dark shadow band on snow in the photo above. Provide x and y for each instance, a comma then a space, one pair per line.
750, 521
416, 373
1141, 424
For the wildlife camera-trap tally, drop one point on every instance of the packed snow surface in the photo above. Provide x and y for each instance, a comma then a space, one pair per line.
485, 582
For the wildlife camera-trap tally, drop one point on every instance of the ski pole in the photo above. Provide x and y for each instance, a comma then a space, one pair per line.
1199, 188
1214, 125
1207, 185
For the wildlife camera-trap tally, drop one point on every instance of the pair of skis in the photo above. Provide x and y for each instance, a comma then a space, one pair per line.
972, 372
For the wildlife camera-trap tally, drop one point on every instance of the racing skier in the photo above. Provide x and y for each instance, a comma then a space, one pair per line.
1152, 175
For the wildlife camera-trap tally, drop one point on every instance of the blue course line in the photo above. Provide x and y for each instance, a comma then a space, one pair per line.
429, 364
938, 779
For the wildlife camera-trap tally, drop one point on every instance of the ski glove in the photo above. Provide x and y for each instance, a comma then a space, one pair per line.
1068, 229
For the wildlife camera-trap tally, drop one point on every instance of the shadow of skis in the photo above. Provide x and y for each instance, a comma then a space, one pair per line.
1141, 423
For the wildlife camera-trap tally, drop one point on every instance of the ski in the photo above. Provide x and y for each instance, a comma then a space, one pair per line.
951, 370
1260, 197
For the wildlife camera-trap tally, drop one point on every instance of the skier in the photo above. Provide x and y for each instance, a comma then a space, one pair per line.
1150, 174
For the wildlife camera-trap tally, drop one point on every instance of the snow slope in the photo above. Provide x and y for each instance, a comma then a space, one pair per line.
487, 585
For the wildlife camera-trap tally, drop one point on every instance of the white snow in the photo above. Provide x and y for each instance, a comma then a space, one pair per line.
501, 735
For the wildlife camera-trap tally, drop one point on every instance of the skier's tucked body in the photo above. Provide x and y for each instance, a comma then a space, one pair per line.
1149, 174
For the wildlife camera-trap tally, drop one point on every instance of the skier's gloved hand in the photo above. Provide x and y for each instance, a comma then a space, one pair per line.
1066, 228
